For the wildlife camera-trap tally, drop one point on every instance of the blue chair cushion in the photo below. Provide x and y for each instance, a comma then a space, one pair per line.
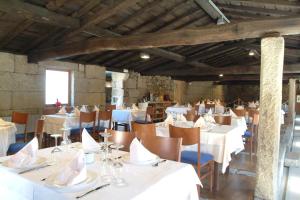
191, 157
247, 133
21, 136
100, 128
15, 147
76, 131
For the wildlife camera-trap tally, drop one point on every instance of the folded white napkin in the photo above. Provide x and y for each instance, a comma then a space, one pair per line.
251, 104
74, 172
76, 112
134, 107
26, 157
62, 110
232, 114
176, 105
198, 103
257, 103
180, 117
202, 103
209, 119
88, 143
3, 122
240, 108
84, 108
169, 120
96, 108
200, 122
139, 154
189, 105
209, 112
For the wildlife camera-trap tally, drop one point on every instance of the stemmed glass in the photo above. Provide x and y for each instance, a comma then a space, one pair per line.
66, 131
118, 167
107, 164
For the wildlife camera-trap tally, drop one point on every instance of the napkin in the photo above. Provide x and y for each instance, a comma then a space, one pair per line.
209, 118
84, 108
88, 143
209, 112
176, 105
189, 105
232, 114
77, 112
62, 110
198, 103
96, 108
3, 122
200, 122
257, 103
240, 108
74, 172
134, 107
169, 120
139, 154
25, 157
180, 117
251, 104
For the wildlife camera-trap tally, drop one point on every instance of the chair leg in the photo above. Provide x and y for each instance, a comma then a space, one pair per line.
251, 147
212, 165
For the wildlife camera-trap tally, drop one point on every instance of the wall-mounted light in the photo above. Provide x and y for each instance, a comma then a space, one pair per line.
251, 52
145, 56
220, 75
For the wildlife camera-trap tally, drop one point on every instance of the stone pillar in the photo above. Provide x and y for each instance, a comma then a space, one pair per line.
272, 55
117, 88
292, 99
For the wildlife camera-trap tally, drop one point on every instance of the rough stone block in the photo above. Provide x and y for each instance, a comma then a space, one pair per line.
96, 85
28, 82
94, 71
5, 100
90, 98
59, 65
22, 65
24, 100
133, 93
81, 85
6, 62
6, 81
130, 83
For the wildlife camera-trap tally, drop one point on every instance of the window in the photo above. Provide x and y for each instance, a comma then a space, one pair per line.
57, 86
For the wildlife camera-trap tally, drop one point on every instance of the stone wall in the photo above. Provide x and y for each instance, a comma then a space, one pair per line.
22, 84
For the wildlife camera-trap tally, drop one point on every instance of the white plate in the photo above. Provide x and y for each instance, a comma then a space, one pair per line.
41, 161
90, 180
126, 159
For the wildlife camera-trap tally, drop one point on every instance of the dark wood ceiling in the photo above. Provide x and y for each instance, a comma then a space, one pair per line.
30, 25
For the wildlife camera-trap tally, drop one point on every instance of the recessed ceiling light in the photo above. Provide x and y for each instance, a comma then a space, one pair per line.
251, 52
145, 56
221, 75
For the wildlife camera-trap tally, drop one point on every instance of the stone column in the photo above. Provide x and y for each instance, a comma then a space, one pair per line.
117, 88
272, 54
292, 100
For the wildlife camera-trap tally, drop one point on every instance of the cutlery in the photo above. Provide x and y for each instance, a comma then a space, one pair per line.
161, 161
93, 190
32, 169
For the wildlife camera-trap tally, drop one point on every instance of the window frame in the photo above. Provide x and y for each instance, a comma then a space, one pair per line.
69, 85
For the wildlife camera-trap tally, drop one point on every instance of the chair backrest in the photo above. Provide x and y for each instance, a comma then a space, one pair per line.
104, 116
251, 112
240, 113
164, 147
50, 110
143, 131
39, 131
19, 118
197, 109
255, 120
209, 105
190, 136
68, 109
150, 111
223, 120
87, 117
190, 115
121, 137
110, 107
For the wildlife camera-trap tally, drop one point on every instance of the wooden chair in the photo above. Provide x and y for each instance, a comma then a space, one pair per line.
240, 113
110, 107
20, 119
190, 115
197, 110
252, 133
69, 109
15, 147
104, 116
150, 111
121, 137
143, 131
191, 136
164, 147
223, 120
50, 110
85, 117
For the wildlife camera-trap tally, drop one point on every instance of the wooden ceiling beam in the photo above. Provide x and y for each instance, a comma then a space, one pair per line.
37, 14
202, 35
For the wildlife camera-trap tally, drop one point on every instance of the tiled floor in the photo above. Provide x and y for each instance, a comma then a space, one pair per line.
239, 183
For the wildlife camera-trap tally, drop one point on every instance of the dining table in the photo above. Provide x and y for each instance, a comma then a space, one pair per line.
168, 180
7, 136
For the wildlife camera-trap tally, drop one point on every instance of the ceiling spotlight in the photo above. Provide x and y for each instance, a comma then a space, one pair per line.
220, 21
251, 52
145, 56
125, 70
220, 75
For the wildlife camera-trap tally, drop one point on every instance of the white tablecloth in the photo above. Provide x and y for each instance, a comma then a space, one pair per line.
53, 123
177, 110
221, 141
7, 137
170, 180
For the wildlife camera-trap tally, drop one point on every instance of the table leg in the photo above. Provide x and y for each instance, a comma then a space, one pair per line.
216, 176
